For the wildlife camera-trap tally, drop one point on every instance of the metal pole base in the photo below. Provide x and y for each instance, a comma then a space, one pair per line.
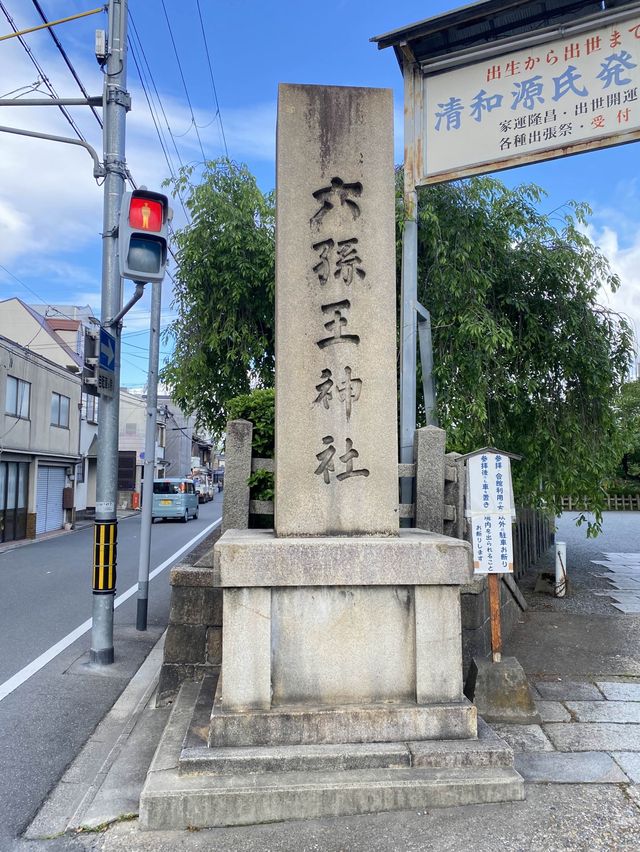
103, 657
141, 615
101, 651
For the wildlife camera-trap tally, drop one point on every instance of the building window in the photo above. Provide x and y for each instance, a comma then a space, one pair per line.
160, 434
126, 470
91, 408
60, 410
80, 471
18, 397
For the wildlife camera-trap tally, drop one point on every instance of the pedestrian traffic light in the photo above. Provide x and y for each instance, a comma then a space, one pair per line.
144, 217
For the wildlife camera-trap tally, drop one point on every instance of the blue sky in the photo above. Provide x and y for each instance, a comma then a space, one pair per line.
51, 208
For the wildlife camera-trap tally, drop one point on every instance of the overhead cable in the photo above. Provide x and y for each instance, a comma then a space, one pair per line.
155, 88
42, 74
57, 43
184, 82
156, 124
213, 85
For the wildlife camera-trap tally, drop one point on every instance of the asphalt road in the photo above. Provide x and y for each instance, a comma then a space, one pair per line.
45, 594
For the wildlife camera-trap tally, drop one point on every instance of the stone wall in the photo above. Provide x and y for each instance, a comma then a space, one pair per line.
193, 646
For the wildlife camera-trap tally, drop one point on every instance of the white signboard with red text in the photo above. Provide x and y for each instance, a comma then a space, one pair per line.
490, 509
556, 98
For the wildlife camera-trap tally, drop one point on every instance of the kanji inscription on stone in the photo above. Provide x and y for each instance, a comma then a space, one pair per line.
336, 434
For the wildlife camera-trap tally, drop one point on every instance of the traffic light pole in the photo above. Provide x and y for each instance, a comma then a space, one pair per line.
116, 102
149, 459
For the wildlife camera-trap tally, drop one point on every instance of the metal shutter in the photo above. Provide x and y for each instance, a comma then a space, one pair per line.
49, 513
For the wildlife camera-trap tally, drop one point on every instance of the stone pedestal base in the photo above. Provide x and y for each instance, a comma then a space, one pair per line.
340, 691
335, 622
309, 725
190, 785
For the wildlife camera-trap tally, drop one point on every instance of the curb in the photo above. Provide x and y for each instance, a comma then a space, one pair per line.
110, 736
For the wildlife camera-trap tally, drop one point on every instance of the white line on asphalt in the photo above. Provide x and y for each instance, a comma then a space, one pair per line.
29, 670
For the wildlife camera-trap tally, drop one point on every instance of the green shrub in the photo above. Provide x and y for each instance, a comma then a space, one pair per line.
258, 407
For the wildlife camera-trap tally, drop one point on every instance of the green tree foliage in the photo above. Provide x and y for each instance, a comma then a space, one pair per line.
628, 412
224, 293
526, 359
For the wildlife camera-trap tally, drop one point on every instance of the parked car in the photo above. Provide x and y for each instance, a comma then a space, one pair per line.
174, 498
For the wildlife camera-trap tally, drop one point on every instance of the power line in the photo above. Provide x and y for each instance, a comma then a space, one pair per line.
155, 88
23, 90
42, 74
144, 348
32, 291
213, 85
56, 41
143, 331
184, 82
156, 125
152, 110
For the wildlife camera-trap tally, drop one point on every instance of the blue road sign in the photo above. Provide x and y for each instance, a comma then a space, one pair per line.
107, 355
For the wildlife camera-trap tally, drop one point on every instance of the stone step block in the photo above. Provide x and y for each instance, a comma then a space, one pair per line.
290, 758
178, 802
347, 724
488, 750
171, 800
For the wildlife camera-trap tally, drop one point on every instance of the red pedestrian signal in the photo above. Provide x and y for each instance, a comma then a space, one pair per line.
143, 237
145, 215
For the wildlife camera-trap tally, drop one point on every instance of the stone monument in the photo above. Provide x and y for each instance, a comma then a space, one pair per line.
341, 683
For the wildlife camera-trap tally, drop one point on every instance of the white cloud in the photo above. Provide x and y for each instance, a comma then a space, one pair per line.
50, 204
624, 260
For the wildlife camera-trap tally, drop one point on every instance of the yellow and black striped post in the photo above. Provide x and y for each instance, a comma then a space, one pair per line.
105, 549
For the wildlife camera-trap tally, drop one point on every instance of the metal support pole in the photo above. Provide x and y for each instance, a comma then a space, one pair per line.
409, 279
149, 459
138, 294
116, 102
98, 169
426, 362
408, 339
97, 101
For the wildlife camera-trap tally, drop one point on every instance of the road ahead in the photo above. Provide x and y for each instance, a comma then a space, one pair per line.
48, 710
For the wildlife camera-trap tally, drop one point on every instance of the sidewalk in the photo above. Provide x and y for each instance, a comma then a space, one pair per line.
79, 525
582, 764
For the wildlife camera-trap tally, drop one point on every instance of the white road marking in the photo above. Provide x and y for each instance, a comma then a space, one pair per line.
31, 668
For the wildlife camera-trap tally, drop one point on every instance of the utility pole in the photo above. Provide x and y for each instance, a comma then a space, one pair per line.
149, 459
116, 102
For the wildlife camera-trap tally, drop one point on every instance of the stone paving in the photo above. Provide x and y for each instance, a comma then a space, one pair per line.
590, 722
590, 733
622, 570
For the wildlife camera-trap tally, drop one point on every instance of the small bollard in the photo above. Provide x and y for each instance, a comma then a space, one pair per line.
561, 569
